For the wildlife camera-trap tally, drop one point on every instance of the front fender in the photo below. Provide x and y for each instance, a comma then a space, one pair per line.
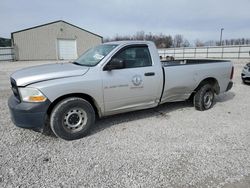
54, 89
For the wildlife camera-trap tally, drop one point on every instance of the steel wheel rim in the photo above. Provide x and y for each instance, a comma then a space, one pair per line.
208, 99
75, 119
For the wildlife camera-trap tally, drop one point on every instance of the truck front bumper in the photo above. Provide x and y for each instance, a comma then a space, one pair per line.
28, 115
245, 77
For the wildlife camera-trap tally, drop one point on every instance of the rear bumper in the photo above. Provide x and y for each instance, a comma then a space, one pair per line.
229, 86
28, 115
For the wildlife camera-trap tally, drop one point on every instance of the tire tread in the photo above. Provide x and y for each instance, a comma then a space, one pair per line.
198, 98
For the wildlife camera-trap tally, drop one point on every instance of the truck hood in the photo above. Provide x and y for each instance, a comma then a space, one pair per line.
40, 73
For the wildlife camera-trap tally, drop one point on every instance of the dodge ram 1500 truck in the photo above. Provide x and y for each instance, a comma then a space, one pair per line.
108, 79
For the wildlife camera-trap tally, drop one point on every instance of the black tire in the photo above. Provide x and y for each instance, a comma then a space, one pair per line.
204, 98
72, 118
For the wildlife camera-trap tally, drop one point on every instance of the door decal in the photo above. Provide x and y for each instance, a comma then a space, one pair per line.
137, 81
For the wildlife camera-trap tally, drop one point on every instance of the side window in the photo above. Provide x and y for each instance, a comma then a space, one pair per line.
135, 57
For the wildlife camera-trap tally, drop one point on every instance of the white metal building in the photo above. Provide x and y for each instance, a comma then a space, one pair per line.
57, 40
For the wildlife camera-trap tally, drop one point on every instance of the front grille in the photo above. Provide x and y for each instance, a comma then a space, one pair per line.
14, 89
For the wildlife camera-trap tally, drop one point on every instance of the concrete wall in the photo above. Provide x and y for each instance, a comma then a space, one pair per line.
40, 43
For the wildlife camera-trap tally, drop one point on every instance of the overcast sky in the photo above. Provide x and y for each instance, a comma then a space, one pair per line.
194, 19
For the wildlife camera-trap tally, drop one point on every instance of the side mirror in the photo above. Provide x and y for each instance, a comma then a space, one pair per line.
115, 63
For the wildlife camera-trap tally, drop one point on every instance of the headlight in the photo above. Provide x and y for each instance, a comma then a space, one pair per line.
31, 95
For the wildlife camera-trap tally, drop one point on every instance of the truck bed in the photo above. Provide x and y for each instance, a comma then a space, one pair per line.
183, 76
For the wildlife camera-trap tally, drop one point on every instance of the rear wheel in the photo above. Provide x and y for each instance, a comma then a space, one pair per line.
72, 118
204, 98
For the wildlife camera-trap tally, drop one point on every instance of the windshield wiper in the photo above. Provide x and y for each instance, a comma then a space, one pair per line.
76, 63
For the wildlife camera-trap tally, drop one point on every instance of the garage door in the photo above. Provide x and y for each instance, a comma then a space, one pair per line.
67, 49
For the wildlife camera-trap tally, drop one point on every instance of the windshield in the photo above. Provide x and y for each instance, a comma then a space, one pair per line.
94, 55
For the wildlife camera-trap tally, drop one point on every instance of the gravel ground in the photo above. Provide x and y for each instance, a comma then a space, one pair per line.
170, 146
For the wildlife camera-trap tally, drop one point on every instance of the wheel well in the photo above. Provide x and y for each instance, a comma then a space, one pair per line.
212, 81
80, 95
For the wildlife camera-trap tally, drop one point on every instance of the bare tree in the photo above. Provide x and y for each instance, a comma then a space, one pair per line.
210, 43
178, 41
239, 41
186, 43
161, 40
140, 35
199, 43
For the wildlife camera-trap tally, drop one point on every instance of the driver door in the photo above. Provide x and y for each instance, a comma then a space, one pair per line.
134, 85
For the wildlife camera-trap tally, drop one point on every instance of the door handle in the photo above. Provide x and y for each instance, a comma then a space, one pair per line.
149, 74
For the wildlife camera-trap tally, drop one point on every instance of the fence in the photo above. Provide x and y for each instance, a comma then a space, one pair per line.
213, 52
6, 54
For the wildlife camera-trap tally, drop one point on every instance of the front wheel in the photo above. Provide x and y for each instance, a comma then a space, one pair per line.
72, 118
204, 98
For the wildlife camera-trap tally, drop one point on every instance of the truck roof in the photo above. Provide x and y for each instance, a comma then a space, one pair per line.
130, 42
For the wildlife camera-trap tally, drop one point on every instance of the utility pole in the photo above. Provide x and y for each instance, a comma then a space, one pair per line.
221, 30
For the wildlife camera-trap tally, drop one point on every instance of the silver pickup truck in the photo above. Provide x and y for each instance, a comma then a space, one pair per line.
111, 78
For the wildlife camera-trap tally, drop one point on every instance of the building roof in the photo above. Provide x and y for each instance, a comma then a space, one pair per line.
54, 23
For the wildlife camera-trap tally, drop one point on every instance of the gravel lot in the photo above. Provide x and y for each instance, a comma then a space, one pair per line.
170, 146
